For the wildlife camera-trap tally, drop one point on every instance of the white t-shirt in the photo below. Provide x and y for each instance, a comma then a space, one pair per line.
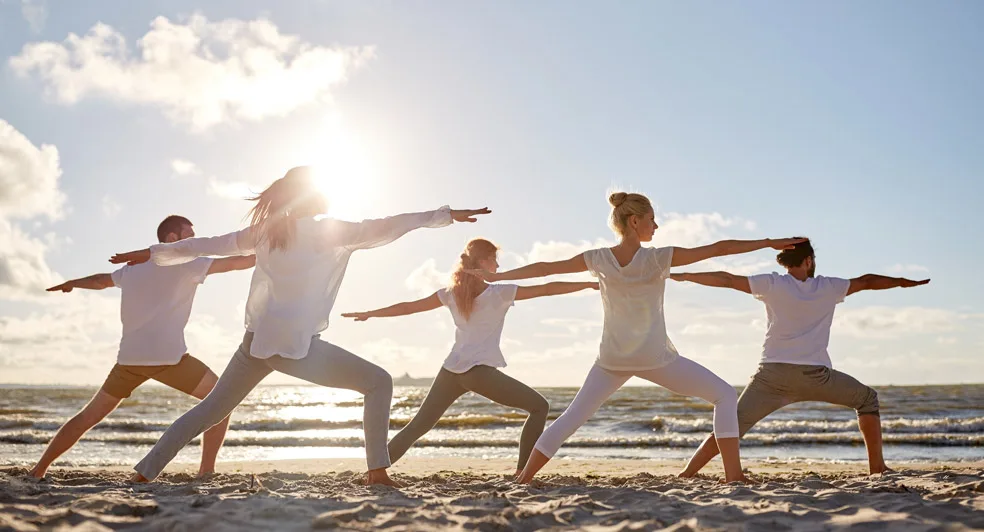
293, 290
634, 336
156, 303
476, 340
800, 314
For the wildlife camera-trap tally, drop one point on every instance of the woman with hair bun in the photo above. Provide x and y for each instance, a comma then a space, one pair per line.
634, 341
479, 312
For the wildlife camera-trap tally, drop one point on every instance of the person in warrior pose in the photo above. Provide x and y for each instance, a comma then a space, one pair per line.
301, 259
155, 304
795, 364
479, 312
634, 340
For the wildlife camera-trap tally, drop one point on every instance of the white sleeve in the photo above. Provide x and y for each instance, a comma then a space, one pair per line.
198, 269
662, 260
508, 293
838, 288
443, 295
591, 261
189, 249
761, 284
118, 276
374, 233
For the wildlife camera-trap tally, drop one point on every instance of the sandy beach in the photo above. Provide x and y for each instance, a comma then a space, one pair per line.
470, 494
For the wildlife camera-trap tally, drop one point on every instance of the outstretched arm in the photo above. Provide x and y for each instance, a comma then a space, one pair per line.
230, 264
98, 281
552, 289
685, 256
715, 279
537, 269
238, 243
874, 281
430, 302
374, 233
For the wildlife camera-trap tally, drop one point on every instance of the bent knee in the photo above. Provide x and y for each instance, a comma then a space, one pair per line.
725, 395
380, 380
540, 407
869, 403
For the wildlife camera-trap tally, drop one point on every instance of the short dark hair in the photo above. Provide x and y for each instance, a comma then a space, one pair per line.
792, 258
171, 224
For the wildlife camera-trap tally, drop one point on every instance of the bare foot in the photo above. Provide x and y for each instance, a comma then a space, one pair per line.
884, 469
686, 474
741, 480
203, 474
524, 479
36, 473
137, 478
380, 477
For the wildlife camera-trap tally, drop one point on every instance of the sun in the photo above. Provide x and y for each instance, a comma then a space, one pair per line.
343, 170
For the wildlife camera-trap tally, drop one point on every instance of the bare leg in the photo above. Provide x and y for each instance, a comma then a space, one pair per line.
212, 438
100, 406
533, 466
731, 460
870, 425
704, 454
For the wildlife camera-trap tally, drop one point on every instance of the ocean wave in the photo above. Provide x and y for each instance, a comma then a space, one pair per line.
796, 426
669, 440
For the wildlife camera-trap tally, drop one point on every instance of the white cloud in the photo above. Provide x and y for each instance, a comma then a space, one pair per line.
28, 188
574, 326
28, 177
702, 329
35, 12
696, 229
900, 269
201, 73
110, 208
236, 190
183, 167
427, 279
389, 354
889, 322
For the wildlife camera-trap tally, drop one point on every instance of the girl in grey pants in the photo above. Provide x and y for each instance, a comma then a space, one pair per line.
479, 312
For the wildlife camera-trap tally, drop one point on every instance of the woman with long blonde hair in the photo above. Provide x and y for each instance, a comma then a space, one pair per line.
634, 341
300, 262
479, 312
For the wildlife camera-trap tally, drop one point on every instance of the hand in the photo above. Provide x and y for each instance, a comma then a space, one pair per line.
594, 285
66, 287
785, 243
678, 276
131, 257
468, 215
357, 316
485, 275
908, 283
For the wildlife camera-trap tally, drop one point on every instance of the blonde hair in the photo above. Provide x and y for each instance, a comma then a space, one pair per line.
624, 205
277, 207
466, 287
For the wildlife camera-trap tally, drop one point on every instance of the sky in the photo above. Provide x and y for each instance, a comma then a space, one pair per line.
859, 125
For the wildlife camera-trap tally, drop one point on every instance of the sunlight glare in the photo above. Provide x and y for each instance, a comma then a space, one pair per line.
344, 170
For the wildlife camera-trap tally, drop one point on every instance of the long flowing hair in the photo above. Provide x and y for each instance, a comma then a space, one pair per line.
466, 287
276, 211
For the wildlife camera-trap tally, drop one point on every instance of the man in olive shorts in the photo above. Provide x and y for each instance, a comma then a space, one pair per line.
155, 305
795, 365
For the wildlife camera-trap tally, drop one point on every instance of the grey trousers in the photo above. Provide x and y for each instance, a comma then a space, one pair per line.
325, 364
487, 382
776, 385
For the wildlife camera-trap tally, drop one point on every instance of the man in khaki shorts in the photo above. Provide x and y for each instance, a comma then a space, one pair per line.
155, 305
795, 365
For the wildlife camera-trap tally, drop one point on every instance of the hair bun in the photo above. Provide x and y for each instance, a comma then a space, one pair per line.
616, 199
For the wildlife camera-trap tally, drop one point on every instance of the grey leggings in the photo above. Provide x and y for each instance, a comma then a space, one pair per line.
325, 364
487, 382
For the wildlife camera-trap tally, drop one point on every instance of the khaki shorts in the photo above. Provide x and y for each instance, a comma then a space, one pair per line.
776, 385
183, 376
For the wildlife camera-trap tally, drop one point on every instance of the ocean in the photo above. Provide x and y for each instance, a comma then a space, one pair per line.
932, 423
